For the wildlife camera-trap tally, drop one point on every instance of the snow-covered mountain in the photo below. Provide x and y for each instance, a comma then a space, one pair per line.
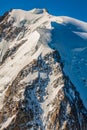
43, 71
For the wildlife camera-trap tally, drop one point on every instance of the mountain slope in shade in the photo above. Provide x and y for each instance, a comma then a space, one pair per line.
43, 66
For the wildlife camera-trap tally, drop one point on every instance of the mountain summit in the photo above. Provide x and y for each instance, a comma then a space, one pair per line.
43, 71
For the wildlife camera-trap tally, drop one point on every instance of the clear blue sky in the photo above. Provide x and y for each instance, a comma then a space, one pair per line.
72, 8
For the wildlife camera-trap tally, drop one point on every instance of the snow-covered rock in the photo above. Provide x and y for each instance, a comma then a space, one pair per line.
43, 71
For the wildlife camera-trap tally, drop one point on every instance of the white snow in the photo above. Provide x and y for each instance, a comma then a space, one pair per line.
29, 77
7, 122
81, 34
26, 17
74, 24
19, 60
3, 49
43, 75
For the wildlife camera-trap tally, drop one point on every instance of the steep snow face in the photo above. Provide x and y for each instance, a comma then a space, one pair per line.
70, 39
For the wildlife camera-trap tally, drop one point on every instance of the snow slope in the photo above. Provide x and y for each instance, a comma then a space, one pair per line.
69, 40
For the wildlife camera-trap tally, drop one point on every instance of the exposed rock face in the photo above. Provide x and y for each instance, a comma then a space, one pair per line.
36, 93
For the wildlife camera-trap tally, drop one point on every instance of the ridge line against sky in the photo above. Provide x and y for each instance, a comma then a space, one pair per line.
72, 8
